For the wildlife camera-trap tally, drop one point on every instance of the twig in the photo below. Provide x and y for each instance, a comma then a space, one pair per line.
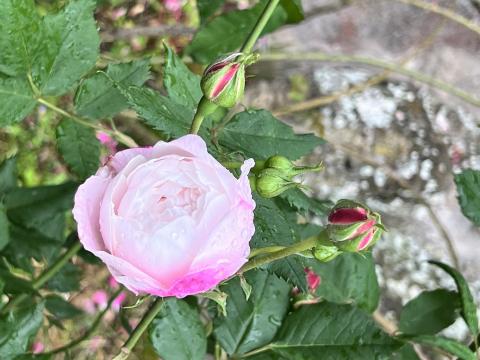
123, 138
149, 31
394, 68
374, 80
46, 275
87, 333
449, 14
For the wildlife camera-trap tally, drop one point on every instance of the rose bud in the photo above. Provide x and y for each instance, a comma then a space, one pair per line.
288, 168
167, 220
271, 182
223, 82
353, 227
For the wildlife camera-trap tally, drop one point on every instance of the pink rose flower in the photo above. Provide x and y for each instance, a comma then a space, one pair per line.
168, 220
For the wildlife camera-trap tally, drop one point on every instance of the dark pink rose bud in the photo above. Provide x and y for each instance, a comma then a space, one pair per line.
353, 227
223, 82
313, 279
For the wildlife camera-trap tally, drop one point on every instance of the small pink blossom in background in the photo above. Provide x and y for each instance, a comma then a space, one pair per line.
167, 220
37, 347
113, 283
107, 141
313, 280
100, 298
118, 302
95, 343
175, 7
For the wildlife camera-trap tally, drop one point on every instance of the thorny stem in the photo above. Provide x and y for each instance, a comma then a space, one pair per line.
87, 333
124, 139
140, 329
46, 275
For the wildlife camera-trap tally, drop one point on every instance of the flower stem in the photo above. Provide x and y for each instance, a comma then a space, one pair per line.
299, 247
90, 330
46, 275
140, 329
259, 26
121, 137
205, 106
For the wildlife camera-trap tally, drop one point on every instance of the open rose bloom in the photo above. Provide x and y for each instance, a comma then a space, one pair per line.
168, 220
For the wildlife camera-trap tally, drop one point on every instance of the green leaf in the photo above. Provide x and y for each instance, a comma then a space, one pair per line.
275, 225
430, 312
294, 10
253, 323
16, 329
160, 112
79, 147
335, 332
26, 244
8, 175
66, 280
468, 188
70, 50
97, 97
41, 208
451, 346
182, 85
258, 134
61, 308
306, 204
349, 278
16, 99
226, 32
406, 352
21, 36
13, 284
177, 332
207, 8
469, 309
4, 232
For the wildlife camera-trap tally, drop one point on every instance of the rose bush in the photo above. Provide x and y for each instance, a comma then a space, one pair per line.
167, 220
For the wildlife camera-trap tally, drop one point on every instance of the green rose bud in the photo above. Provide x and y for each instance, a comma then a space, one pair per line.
288, 168
223, 82
271, 183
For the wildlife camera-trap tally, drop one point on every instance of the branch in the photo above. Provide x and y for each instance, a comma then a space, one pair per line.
87, 333
149, 31
449, 14
395, 68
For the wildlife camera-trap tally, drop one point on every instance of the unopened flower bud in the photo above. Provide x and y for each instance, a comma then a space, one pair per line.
353, 227
271, 183
289, 169
223, 82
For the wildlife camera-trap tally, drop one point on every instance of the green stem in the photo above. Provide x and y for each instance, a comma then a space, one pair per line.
205, 108
259, 26
140, 329
90, 330
265, 250
124, 139
299, 247
45, 276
